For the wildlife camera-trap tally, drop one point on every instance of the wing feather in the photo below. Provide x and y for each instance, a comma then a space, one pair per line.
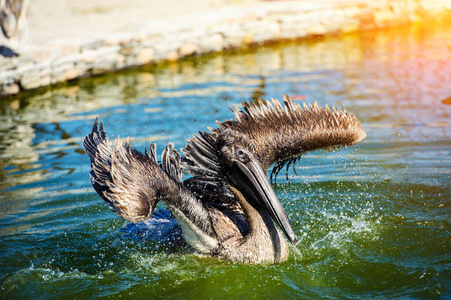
125, 178
280, 133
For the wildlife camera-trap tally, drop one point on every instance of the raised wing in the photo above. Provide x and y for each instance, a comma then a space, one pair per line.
281, 133
125, 178
132, 183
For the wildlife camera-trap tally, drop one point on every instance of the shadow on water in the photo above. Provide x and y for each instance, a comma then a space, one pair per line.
372, 221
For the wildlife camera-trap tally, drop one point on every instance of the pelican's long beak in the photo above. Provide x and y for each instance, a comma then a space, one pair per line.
249, 177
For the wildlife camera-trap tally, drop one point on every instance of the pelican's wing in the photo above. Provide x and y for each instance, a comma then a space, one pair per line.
202, 162
125, 178
281, 133
132, 183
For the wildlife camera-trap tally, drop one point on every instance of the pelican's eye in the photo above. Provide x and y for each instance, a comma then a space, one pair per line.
242, 155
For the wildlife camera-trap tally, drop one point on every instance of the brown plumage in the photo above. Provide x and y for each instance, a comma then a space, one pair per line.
227, 208
281, 133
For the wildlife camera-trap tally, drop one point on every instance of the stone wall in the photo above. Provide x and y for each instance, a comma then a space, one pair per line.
258, 23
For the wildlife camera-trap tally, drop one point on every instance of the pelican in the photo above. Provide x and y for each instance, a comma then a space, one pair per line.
13, 25
227, 209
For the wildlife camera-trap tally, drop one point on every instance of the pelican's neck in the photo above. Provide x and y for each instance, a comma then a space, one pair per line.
264, 243
257, 220
192, 217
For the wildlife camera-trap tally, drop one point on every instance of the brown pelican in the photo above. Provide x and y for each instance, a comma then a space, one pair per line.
228, 207
13, 25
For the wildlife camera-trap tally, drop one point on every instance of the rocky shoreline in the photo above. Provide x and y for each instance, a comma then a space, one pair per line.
170, 39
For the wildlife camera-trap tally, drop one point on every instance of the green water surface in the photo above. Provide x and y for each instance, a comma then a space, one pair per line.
373, 221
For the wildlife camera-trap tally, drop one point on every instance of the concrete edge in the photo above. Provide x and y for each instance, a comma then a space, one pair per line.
256, 25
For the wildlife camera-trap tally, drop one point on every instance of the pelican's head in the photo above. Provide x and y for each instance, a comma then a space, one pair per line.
242, 170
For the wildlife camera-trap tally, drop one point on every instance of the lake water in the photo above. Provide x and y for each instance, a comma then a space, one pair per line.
373, 220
